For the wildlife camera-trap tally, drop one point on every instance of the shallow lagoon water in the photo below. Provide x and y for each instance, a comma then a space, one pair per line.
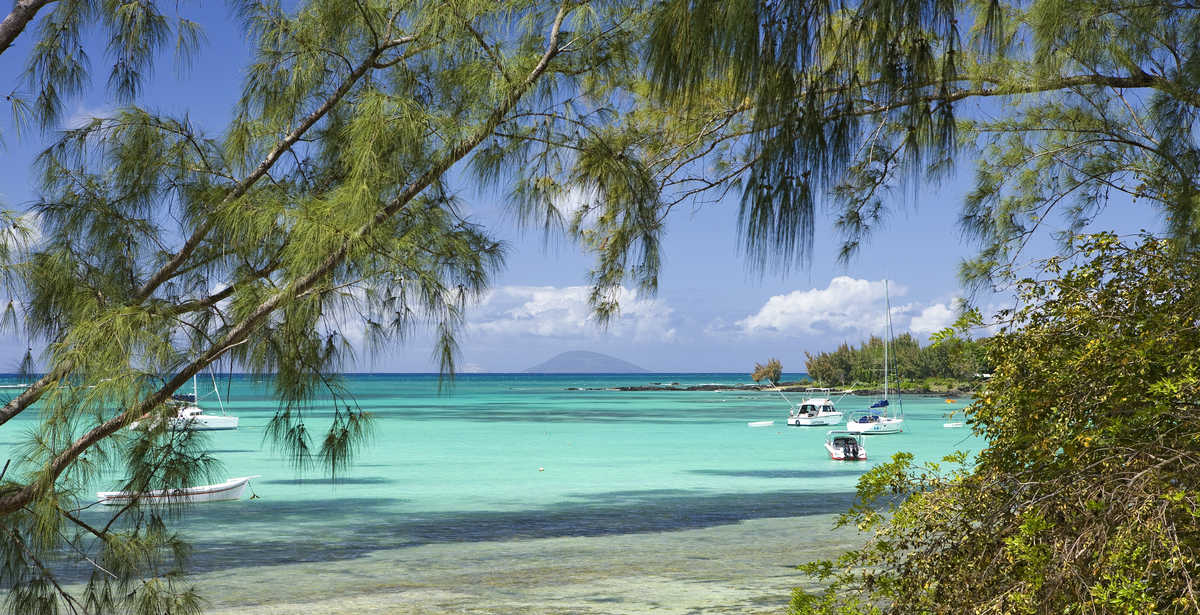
512, 493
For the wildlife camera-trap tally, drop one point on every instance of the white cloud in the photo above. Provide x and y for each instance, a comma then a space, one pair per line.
848, 307
549, 311
933, 318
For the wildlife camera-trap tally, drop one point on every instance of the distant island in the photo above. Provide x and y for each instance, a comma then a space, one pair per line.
584, 362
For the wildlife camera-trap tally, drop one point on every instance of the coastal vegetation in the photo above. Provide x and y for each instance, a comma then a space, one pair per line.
1086, 497
954, 363
771, 371
162, 248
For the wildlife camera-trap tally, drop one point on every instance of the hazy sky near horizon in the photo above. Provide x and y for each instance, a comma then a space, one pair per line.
712, 313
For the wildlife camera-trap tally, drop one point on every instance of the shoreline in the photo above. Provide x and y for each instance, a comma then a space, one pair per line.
802, 389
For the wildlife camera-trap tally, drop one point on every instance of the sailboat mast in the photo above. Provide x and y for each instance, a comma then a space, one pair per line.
886, 333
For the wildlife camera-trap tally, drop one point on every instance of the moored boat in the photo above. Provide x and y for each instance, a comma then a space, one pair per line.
189, 416
231, 489
813, 412
845, 446
877, 419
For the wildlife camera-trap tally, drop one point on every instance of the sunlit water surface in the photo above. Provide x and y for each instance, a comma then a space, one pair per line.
511, 493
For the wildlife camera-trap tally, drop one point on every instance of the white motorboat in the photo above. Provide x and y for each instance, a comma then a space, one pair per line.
877, 419
814, 411
190, 416
845, 446
231, 489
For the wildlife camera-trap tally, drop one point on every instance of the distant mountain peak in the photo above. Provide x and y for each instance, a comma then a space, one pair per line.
584, 362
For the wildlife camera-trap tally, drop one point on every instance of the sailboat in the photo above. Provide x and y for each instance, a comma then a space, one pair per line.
877, 420
190, 416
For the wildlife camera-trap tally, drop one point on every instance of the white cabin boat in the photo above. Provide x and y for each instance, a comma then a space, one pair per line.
814, 411
845, 446
231, 489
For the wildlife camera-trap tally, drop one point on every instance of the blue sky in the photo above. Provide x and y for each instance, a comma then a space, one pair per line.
711, 313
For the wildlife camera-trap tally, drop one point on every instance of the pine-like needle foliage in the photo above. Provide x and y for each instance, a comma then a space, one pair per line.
1071, 104
326, 206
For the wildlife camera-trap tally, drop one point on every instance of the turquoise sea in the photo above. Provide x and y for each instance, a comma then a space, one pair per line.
512, 493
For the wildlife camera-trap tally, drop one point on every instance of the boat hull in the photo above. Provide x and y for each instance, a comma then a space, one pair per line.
815, 421
838, 454
883, 426
203, 423
231, 489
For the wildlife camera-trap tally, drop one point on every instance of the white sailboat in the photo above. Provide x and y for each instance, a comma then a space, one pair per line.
231, 489
877, 420
190, 416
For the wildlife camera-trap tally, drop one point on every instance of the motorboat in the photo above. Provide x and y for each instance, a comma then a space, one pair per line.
877, 420
189, 416
845, 446
231, 489
814, 411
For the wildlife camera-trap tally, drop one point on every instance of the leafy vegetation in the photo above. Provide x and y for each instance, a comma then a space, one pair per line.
330, 197
772, 372
326, 199
857, 103
1086, 497
955, 359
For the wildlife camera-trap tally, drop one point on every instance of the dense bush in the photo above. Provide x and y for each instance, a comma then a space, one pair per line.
1086, 497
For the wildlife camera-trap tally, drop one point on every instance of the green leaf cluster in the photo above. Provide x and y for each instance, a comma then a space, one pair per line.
771, 371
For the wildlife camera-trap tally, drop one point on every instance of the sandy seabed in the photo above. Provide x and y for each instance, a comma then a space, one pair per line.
747, 567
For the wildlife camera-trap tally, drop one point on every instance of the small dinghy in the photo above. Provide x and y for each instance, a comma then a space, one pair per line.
761, 423
231, 489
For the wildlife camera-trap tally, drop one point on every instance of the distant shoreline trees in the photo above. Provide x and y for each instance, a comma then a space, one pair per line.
953, 358
771, 372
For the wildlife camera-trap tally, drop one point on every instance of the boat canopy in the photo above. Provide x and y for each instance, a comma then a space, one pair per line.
880, 404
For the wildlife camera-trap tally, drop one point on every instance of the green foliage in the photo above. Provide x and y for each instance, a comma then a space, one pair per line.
326, 206
959, 359
858, 103
772, 372
1085, 499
